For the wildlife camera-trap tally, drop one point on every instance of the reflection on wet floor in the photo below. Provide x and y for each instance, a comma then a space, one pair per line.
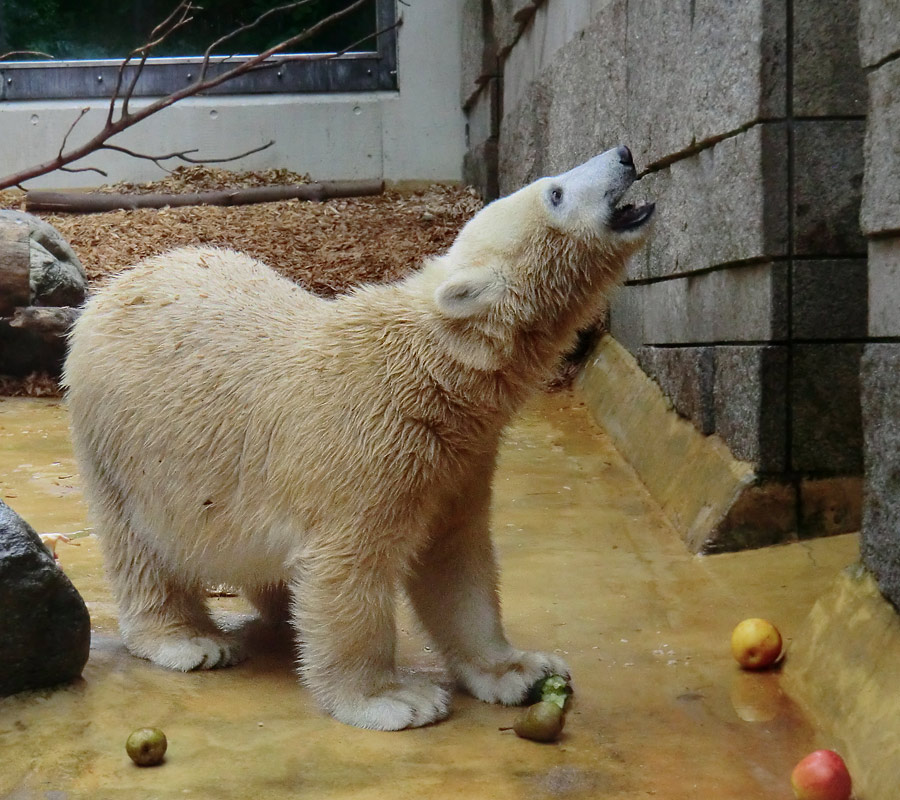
590, 569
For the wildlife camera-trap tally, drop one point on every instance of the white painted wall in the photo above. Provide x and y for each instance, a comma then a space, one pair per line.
415, 134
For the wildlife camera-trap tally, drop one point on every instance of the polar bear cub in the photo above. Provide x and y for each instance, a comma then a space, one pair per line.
322, 454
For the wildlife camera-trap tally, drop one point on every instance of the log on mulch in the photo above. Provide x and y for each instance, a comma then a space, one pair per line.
92, 202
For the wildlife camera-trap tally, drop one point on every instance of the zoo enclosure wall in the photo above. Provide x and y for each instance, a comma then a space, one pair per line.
411, 133
761, 127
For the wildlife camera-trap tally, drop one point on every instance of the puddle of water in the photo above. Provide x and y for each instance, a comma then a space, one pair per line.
590, 569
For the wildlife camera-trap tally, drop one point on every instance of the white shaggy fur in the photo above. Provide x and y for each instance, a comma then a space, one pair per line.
233, 428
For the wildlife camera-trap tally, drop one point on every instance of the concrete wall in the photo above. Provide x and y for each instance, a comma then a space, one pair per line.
879, 47
414, 134
748, 118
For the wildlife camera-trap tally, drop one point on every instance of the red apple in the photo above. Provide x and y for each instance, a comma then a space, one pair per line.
756, 643
822, 775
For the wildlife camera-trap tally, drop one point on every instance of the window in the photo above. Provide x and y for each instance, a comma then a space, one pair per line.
88, 38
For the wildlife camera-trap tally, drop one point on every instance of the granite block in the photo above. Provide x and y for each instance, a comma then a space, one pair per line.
884, 287
480, 169
686, 376
826, 424
880, 541
714, 68
626, 317
479, 55
522, 144
829, 299
879, 31
880, 211
741, 303
587, 114
724, 204
750, 404
828, 79
828, 176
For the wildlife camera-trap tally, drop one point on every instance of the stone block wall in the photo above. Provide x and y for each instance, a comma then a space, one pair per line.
879, 47
747, 121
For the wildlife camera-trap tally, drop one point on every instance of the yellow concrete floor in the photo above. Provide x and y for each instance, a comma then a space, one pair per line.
590, 569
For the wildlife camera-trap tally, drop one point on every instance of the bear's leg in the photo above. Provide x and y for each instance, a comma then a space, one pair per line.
453, 588
162, 616
343, 613
272, 601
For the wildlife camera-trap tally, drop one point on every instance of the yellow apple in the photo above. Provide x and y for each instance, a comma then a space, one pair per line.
756, 643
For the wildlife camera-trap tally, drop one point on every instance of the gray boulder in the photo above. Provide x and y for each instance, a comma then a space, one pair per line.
56, 277
45, 629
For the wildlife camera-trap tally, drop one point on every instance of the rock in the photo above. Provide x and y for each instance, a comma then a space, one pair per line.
45, 629
56, 276
880, 544
33, 339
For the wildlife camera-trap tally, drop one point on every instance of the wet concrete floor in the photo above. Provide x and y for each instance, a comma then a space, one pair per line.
590, 569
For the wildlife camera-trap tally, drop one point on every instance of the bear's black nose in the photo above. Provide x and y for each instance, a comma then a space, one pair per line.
624, 156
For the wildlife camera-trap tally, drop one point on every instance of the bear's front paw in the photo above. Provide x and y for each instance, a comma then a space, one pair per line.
409, 703
508, 680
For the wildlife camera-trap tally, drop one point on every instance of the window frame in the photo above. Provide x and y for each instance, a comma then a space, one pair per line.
358, 71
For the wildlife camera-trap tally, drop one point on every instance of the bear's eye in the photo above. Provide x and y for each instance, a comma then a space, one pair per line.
556, 195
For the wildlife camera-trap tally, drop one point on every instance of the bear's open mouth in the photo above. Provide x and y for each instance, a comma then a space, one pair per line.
630, 216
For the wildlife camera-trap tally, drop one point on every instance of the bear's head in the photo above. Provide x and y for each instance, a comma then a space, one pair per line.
547, 254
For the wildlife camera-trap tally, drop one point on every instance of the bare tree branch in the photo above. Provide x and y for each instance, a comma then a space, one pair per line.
12, 53
126, 118
179, 17
184, 155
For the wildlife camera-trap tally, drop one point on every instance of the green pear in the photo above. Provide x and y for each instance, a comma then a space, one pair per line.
542, 722
146, 746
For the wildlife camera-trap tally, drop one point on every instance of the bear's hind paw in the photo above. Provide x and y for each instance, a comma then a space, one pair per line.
189, 653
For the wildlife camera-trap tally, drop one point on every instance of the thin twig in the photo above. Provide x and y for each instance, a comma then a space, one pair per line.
69, 132
157, 36
207, 54
84, 169
12, 53
183, 155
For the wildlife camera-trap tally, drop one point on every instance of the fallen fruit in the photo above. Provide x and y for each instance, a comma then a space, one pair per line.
822, 775
542, 722
552, 689
146, 746
756, 643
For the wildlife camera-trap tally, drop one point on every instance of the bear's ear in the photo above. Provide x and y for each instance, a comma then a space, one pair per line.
469, 293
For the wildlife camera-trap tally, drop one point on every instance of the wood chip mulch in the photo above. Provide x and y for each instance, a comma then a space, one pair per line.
326, 247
